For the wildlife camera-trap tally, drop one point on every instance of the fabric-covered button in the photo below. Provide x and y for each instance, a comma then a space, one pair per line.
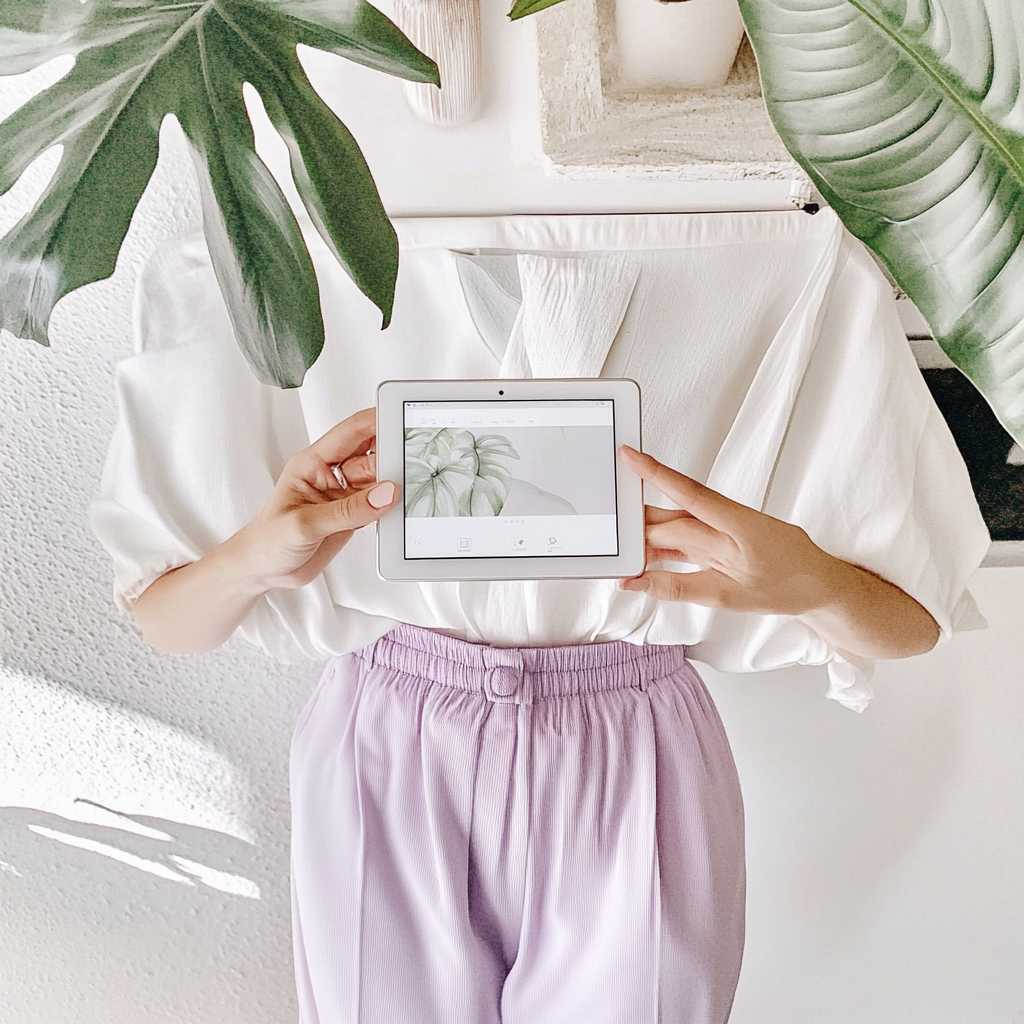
502, 682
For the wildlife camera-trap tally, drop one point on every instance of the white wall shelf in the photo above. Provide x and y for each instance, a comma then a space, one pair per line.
598, 123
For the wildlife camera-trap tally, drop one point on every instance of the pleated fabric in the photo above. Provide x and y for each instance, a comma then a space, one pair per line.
525, 836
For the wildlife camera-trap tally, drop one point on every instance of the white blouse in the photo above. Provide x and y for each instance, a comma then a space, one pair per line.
772, 366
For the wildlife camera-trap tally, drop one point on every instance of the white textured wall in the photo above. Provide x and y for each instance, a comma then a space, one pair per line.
143, 797
194, 749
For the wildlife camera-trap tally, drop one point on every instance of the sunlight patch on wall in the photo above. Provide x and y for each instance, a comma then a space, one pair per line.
190, 872
151, 867
222, 880
101, 763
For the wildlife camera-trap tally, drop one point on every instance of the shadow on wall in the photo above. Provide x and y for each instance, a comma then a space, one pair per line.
101, 924
164, 849
115, 783
132, 885
168, 850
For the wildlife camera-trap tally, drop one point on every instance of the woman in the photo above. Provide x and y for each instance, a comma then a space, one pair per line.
574, 853
543, 825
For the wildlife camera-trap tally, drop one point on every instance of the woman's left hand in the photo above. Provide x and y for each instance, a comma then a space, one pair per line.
748, 561
751, 562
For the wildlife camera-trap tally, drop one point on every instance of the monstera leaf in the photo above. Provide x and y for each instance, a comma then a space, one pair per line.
433, 490
433, 443
487, 454
138, 60
437, 471
451, 472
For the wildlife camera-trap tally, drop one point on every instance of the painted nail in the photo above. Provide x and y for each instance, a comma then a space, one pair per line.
383, 494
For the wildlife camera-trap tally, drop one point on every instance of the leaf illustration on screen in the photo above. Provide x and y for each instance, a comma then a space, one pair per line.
432, 489
452, 472
488, 490
429, 442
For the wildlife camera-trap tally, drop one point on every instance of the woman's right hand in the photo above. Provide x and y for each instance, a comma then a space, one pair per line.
309, 517
307, 520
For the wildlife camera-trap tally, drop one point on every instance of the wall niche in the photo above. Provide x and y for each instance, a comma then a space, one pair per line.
600, 120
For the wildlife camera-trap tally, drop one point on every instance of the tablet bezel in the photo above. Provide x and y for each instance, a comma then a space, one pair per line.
391, 561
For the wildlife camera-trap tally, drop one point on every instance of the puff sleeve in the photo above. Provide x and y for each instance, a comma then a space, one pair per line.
198, 446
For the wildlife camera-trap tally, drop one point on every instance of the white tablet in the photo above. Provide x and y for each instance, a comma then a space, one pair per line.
509, 479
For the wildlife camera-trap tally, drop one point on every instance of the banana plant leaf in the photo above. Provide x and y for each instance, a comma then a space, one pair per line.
908, 116
139, 60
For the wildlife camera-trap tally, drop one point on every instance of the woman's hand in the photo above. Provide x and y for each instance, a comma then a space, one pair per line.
749, 561
752, 562
310, 517
307, 520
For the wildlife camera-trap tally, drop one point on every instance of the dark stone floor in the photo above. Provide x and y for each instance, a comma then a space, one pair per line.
984, 445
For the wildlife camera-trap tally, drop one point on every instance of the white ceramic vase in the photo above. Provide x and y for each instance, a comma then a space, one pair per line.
449, 32
683, 45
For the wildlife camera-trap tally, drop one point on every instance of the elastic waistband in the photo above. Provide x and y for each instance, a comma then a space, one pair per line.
522, 675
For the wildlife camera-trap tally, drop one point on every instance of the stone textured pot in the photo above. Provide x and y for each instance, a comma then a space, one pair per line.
681, 45
449, 32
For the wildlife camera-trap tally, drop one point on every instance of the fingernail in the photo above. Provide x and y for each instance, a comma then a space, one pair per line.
383, 494
636, 583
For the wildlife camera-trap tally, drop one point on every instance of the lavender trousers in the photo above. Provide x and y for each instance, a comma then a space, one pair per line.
525, 836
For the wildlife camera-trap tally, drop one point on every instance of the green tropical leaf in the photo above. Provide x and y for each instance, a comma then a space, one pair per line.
451, 472
494, 446
522, 8
139, 60
487, 454
433, 488
909, 119
429, 443
481, 498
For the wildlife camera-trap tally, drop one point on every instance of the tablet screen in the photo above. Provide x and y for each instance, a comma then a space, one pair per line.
486, 479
